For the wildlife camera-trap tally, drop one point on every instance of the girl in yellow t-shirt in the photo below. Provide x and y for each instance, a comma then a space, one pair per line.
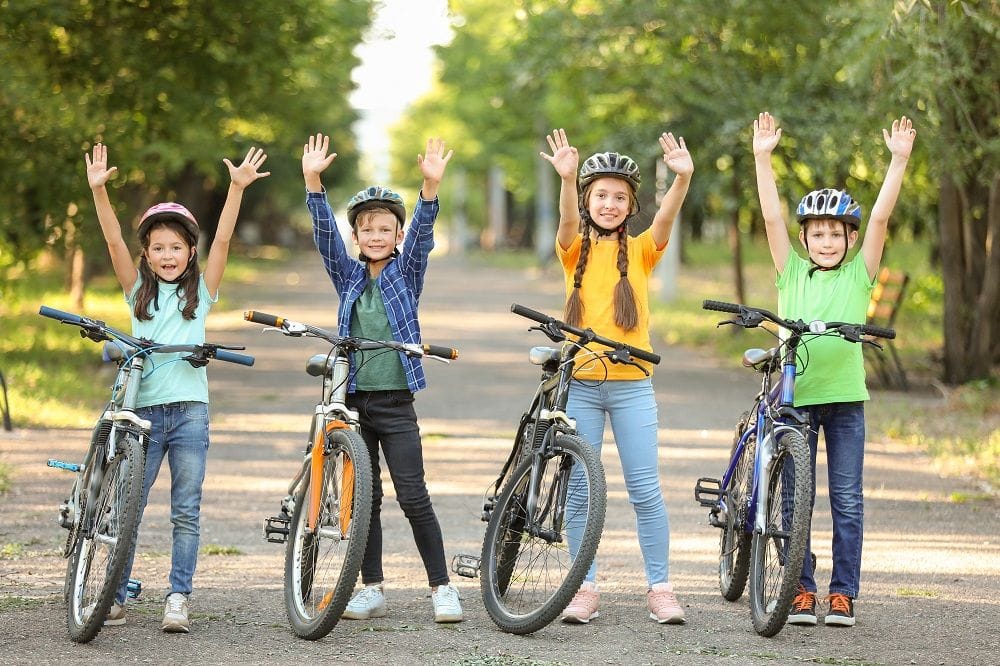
607, 274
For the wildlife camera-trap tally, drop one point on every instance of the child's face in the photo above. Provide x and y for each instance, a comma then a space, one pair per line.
377, 234
827, 241
609, 202
167, 253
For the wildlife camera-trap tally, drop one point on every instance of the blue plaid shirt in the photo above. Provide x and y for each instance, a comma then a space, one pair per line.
401, 281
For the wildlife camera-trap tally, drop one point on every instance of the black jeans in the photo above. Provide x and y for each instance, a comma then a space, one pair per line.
388, 418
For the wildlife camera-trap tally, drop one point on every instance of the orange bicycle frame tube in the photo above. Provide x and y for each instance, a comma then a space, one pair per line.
316, 475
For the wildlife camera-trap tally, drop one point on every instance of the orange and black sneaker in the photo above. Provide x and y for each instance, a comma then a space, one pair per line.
803, 608
841, 611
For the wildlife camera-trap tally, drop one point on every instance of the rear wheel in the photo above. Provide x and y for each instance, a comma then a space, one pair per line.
322, 564
98, 560
528, 574
734, 542
778, 548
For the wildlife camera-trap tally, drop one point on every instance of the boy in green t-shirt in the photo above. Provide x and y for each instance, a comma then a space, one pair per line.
831, 389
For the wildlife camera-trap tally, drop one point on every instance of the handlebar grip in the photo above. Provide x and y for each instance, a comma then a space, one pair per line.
67, 317
264, 318
231, 357
645, 355
442, 352
530, 314
720, 306
878, 332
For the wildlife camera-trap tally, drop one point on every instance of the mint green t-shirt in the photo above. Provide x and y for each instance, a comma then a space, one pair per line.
834, 368
377, 369
166, 379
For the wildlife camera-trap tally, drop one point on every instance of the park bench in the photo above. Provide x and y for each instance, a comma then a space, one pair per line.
4, 407
887, 296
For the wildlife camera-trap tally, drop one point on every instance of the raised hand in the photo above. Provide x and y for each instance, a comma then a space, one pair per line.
434, 160
564, 158
314, 155
676, 155
766, 134
98, 173
247, 172
900, 141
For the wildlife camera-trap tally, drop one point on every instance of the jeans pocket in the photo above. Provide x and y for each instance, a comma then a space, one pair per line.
402, 398
195, 411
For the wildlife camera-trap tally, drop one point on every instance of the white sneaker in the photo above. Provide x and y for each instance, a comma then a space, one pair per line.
447, 607
114, 618
175, 615
367, 603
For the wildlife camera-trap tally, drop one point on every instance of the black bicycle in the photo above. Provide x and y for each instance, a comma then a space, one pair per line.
102, 510
326, 513
551, 486
762, 503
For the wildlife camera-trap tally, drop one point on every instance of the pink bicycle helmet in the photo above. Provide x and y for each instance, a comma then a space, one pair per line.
168, 210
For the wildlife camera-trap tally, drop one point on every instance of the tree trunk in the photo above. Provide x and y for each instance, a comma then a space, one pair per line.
952, 269
736, 247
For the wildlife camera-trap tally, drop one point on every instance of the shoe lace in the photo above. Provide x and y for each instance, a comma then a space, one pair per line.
583, 599
804, 600
446, 594
367, 594
840, 603
175, 603
663, 601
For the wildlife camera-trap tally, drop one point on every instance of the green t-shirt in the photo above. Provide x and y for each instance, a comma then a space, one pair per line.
377, 369
834, 368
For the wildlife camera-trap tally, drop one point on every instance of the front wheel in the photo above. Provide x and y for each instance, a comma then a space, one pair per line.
322, 562
778, 547
98, 560
528, 574
734, 542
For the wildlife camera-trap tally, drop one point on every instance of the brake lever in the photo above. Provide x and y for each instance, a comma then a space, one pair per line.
623, 357
874, 344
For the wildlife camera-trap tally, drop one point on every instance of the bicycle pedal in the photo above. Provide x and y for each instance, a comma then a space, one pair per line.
465, 565
708, 491
58, 464
276, 529
134, 588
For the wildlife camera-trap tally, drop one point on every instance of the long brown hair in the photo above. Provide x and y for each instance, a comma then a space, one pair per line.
187, 283
626, 312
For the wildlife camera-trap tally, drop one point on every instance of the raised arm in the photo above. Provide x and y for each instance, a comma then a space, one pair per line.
565, 160
766, 134
242, 176
315, 160
432, 165
678, 159
98, 174
900, 144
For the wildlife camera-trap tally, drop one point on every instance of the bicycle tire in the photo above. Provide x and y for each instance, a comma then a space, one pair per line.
527, 579
778, 553
98, 560
320, 568
734, 542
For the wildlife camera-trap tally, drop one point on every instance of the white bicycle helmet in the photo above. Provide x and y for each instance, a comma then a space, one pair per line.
830, 204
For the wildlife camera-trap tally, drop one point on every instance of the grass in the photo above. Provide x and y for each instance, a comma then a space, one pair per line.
216, 549
5, 473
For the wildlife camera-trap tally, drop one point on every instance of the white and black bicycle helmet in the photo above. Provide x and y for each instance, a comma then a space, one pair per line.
830, 204
375, 196
611, 164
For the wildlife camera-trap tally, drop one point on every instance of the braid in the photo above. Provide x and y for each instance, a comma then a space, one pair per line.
626, 314
574, 304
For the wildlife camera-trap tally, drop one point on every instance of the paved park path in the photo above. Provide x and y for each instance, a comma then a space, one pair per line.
931, 572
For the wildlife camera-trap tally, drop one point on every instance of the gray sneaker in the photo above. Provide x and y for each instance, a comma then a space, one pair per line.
447, 607
175, 615
367, 603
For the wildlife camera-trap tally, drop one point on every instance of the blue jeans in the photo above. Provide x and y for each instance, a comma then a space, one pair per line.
631, 406
179, 432
388, 418
843, 425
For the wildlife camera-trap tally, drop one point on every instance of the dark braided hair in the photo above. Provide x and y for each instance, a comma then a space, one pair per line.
187, 283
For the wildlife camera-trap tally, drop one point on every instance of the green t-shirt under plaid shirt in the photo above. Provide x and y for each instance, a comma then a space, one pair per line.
377, 369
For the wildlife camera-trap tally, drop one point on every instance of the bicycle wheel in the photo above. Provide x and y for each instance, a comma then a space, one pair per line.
528, 575
734, 542
777, 552
322, 565
101, 553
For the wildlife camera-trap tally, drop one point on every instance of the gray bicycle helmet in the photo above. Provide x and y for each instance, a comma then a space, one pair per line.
375, 196
615, 165
830, 204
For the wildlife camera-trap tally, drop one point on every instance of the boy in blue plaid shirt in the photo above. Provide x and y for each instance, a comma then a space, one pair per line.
379, 293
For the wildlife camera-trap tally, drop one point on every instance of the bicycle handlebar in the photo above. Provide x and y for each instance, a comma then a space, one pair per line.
588, 334
751, 317
293, 328
99, 331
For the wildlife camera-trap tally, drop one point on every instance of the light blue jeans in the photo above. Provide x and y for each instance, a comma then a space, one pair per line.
631, 406
179, 433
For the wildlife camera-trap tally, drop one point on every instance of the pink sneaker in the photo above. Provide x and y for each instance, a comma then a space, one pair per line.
583, 607
663, 604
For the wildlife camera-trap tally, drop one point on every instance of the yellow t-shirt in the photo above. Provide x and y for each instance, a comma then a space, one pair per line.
597, 292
